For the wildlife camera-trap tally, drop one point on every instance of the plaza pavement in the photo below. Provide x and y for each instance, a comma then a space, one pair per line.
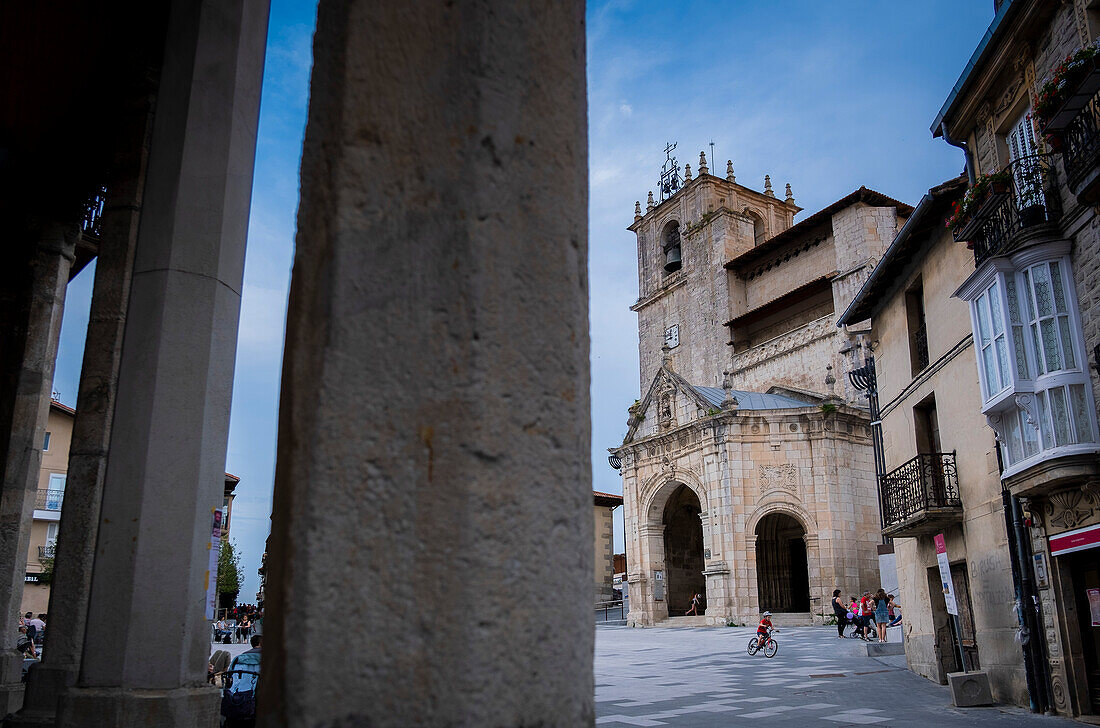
704, 677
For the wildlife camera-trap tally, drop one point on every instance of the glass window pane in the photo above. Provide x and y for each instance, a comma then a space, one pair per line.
1059, 294
1059, 415
1038, 349
983, 320
1081, 419
1002, 360
1030, 436
1051, 355
1027, 297
1067, 341
1013, 299
1013, 436
995, 310
1044, 421
1020, 352
992, 381
1041, 281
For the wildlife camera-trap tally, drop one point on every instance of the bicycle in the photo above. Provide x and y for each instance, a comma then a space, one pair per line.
770, 645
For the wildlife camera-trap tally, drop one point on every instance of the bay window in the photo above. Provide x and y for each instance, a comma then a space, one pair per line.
1035, 385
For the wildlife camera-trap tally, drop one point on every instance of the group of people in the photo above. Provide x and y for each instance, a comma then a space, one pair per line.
238, 624
31, 631
878, 610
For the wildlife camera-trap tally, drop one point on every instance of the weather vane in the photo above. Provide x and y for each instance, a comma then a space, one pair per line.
670, 174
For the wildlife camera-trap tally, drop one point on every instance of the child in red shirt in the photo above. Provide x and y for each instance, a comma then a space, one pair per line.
764, 628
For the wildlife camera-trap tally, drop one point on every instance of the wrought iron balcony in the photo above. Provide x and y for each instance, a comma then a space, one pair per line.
48, 500
1080, 142
47, 551
921, 496
1028, 200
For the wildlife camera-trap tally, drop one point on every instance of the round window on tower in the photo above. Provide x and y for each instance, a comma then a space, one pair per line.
670, 246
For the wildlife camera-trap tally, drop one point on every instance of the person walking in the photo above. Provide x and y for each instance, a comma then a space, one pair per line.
882, 613
696, 601
841, 613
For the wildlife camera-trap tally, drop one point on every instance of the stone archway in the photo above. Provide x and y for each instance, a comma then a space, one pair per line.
782, 564
683, 545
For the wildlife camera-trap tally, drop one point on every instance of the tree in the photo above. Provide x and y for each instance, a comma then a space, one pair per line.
229, 574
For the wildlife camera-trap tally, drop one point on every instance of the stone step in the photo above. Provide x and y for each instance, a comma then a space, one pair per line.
884, 649
792, 619
700, 621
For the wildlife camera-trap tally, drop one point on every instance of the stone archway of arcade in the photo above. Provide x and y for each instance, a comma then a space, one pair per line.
782, 567
128, 135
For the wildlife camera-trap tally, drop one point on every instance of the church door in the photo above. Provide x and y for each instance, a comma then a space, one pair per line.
683, 551
782, 574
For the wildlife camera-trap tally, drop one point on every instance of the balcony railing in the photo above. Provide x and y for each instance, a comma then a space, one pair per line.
48, 500
93, 213
921, 495
1081, 147
1030, 199
47, 551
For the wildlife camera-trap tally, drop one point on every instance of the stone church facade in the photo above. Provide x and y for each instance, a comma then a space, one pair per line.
748, 473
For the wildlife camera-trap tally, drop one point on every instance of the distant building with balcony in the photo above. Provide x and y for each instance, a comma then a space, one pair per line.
940, 456
1030, 292
47, 507
48, 503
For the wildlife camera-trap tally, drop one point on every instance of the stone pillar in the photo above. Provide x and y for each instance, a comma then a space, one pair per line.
76, 540
433, 487
146, 641
31, 338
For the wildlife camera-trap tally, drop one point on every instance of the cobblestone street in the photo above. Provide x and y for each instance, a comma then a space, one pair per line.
704, 677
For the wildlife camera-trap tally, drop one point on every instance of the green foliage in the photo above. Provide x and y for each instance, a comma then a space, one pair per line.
828, 408
229, 570
714, 411
47, 570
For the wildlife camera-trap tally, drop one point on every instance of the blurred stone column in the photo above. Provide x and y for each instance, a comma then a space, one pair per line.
32, 328
433, 501
91, 436
147, 642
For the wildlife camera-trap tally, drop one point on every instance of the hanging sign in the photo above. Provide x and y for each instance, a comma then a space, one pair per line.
214, 546
1078, 540
1094, 606
945, 575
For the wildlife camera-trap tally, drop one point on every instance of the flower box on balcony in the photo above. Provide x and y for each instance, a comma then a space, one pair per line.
973, 224
1079, 91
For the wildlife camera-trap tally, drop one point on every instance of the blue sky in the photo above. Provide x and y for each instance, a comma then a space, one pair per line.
825, 95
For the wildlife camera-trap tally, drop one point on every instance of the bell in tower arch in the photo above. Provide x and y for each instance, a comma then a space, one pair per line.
671, 247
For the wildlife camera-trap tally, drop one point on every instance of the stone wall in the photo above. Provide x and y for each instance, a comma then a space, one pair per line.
603, 547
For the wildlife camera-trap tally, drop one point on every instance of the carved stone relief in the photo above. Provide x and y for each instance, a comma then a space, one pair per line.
778, 476
1068, 509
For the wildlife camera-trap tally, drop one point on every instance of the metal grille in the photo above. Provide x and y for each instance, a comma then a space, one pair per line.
1032, 199
93, 213
920, 346
1081, 140
930, 480
48, 500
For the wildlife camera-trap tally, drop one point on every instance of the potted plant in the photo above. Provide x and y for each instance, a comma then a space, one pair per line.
1063, 80
962, 211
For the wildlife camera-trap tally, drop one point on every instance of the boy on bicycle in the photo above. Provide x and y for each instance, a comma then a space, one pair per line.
764, 628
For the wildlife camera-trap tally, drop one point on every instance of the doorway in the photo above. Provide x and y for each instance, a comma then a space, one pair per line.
782, 574
1084, 570
683, 551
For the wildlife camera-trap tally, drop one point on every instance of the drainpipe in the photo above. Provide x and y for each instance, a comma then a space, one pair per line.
970, 175
1030, 603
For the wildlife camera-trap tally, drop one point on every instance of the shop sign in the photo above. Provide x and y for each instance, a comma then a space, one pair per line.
32, 578
945, 575
1079, 540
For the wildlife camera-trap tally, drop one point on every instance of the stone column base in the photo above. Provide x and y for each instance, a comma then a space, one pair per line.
197, 707
11, 681
45, 684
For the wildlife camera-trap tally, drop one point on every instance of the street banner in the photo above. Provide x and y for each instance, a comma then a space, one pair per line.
945, 575
214, 546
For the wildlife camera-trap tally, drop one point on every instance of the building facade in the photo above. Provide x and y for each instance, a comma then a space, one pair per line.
940, 456
747, 468
1029, 289
47, 508
604, 505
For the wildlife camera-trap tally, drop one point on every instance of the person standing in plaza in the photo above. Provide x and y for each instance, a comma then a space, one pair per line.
841, 613
882, 613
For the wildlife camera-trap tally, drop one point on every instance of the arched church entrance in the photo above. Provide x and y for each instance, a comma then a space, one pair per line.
683, 550
782, 574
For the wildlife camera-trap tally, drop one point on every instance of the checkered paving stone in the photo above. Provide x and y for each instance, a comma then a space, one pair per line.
704, 678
